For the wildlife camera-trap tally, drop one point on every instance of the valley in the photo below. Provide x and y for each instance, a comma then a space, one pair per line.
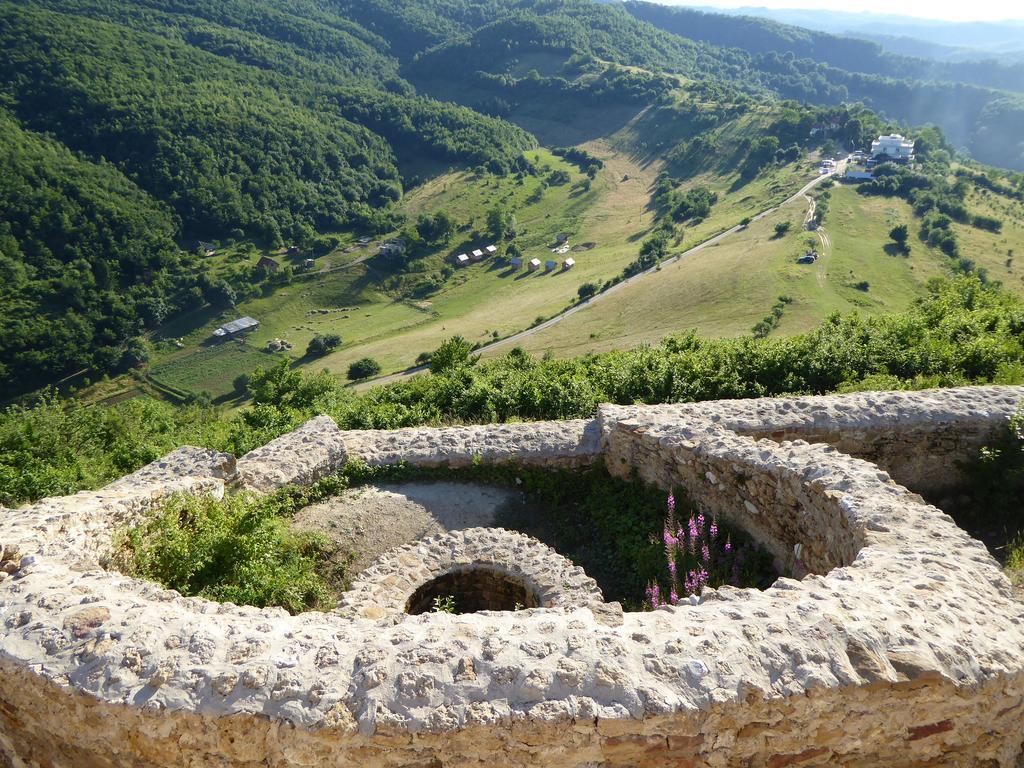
657, 144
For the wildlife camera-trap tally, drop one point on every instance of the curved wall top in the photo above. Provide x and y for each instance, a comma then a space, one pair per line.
907, 646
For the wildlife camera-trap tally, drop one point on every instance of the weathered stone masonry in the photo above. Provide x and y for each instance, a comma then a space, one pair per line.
904, 648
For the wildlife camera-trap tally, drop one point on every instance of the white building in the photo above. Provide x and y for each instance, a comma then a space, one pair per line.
490, 250
534, 265
461, 260
569, 263
894, 146
477, 255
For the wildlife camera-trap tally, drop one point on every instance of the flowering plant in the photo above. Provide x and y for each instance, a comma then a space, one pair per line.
697, 554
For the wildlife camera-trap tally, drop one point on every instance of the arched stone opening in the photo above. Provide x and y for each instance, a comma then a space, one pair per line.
474, 588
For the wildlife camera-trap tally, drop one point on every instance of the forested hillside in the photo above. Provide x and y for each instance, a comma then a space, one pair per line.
135, 129
200, 131
977, 104
762, 36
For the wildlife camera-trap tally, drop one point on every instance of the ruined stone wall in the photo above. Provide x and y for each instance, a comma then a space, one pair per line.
787, 511
906, 648
920, 438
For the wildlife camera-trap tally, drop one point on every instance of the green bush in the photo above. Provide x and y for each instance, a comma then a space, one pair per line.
321, 344
239, 549
363, 368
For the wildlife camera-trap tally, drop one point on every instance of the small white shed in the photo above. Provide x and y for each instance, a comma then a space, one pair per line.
569, 263
534, 265
461, 260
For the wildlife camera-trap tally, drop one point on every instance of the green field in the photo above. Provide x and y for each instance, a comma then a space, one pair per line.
1001, 254
481, 302
725, 289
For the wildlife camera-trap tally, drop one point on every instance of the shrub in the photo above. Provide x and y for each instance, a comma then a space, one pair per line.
363, 368
782, 227
239, 549
322, 344
453, 354
587, 290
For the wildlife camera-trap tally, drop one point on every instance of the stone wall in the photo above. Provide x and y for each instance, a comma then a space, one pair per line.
920, 438
904, 648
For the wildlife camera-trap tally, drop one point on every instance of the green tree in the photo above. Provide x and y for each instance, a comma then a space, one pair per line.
500, 223
321, 344
782, 227
453, 354
363, 368
900, 235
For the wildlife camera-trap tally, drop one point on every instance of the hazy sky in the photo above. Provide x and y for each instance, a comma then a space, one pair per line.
976, 10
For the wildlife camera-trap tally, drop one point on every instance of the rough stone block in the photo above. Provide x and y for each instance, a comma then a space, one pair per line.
314, 450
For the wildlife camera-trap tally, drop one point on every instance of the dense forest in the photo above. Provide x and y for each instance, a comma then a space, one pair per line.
962, 332
122, 146
760, 36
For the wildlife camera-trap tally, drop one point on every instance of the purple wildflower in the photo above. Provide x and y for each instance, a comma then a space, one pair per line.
728, 544
714, 529
669, 539
705, 553
654, 594
671, 504
673, 597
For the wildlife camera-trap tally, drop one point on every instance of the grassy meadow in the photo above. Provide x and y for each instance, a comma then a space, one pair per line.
726, 288
484, 301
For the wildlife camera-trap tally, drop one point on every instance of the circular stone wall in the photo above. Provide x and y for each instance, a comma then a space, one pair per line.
906, 650
484, 569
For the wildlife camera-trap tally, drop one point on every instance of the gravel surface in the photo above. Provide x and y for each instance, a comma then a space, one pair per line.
366, 522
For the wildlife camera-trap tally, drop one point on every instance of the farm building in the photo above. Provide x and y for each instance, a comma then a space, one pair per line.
308, 264
393, 247
461, 260
550, 265
858, 173
534, 265
490, 250
267, 264
237, 327
293, 250
516, 262
477, 255
569, 263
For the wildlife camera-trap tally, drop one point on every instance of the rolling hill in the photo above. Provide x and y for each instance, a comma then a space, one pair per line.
157, 151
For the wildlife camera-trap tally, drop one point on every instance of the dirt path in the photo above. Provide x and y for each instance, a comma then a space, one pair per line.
517, 337
363, 523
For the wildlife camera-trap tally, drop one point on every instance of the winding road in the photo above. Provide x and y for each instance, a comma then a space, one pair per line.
517, 337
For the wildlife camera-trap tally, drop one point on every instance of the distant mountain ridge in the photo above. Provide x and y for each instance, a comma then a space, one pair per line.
978, 39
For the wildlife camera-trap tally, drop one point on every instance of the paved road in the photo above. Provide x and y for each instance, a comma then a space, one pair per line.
517, 337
